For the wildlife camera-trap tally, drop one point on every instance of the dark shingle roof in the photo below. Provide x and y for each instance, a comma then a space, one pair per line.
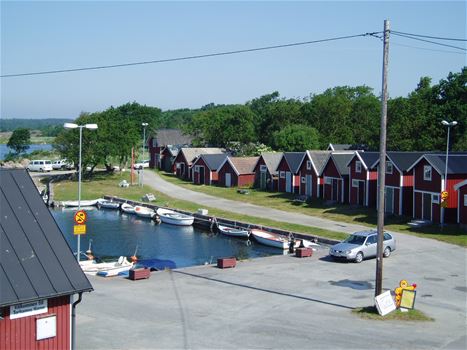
35, 259
166, 137
294, 159
341, 160
214, 161
402, 160
272, 160
457, 163
319, 159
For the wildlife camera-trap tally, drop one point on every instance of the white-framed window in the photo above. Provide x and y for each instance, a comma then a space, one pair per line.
263, 168
465, 200
196, 168
308, 165
435, 198
358, 166
427, 172
282, 174
388, 168
303, 179
355, 183
177, 165
327, 181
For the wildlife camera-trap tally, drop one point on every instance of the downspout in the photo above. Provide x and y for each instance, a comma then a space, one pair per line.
73, 321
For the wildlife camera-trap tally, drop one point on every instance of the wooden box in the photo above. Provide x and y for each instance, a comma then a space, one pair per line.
303, 252
139, 274
223, 263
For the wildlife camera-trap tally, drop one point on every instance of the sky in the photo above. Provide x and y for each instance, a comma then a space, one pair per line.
41, 36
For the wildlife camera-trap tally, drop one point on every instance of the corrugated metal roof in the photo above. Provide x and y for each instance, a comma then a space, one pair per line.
191, 153
272, 160
244, 165
35, 259
213, 161
294, 159
173, 137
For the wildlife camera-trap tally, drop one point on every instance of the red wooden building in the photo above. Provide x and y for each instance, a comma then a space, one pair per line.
288, 168
362, 179
266, 177
310, 173
237, 172
169, 153
398, 182
204, 169
162, 138
428, 173
336, 177
39, 275
186, 156
461, 189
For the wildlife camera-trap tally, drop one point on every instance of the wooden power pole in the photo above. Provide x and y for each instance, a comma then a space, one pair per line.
382, 164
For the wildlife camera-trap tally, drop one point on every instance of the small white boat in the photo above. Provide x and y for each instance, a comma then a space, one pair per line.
144, 212
270, 239
172, 217
127, 208
82, 203
106, 269
103, 203
234, 232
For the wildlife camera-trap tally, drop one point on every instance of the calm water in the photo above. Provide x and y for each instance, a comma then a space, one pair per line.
4, 149
114, 234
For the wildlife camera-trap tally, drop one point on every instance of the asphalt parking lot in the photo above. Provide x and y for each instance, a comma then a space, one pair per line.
280, 302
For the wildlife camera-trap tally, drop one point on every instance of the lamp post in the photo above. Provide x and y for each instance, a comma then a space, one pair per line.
445, 183
74, 126
144, 141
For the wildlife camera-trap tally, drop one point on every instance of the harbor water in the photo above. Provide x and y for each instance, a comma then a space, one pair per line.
4, 149
113, 234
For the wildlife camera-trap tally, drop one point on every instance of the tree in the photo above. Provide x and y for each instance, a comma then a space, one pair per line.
20, 140
296, 138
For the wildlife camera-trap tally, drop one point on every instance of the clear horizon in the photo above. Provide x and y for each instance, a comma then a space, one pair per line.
42, 36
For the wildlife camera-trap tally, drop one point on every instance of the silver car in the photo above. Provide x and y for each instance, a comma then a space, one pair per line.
361, 245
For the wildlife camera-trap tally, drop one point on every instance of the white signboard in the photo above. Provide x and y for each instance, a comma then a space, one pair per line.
46, 327
28, 309
385, 303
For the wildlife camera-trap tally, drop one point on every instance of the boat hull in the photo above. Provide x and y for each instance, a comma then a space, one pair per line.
173, 218
144, 212
233, 232
83, 203
270, 239
108, 204
127, 208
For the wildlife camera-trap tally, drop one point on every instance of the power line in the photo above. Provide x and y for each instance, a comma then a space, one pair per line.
426, 49
429, 41
187, 57
427, 36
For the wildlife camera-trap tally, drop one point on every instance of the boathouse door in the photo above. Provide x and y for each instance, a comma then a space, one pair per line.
228, 180
309, 186
426, 206
262, 180
201, 175
288, 181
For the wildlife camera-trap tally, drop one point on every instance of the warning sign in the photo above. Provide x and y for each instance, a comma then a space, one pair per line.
79, 229
80, 217
444, 195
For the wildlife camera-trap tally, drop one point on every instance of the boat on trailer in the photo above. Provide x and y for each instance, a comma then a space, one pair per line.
174, 218
234, 232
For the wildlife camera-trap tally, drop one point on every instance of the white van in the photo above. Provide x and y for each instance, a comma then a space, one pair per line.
40, 165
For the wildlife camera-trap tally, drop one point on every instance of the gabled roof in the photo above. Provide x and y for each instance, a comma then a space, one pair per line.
402, 160
460, 184
213, 161
318, 160
173, 150
241, 165
457, 163
294, 160
271, 160
341, 160
339, 146
367, 158
35, 259
166, 137
191, 153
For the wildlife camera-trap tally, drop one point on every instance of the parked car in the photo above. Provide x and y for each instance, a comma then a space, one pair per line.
361, 245
59, 164
141, 165
40, 165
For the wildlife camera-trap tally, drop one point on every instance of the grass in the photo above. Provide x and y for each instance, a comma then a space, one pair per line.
370, 312
107, 184
343, 213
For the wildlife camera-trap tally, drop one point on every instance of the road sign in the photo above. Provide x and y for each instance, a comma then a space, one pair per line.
80, 217
79, 229
444, 195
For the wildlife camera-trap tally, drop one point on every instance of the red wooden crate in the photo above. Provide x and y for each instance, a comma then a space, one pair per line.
226, 262
138, 274
303, 252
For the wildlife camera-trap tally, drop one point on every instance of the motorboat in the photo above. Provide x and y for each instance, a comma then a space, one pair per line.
174, 218
232, 231
144, 212
106, 269
81, 203
270, 239
104, 203
127, 208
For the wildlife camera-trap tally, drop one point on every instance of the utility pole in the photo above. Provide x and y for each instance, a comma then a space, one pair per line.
382, 164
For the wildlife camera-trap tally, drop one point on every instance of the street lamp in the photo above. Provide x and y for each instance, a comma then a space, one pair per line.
74, 126
445, 183
144, 141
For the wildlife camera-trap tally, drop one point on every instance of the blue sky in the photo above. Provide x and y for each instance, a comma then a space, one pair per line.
41, 36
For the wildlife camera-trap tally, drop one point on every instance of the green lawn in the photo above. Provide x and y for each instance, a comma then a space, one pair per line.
104, 184
344, 213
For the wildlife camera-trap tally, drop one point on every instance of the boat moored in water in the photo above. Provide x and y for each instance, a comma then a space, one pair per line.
270, 239
234, 232
106, 269
144, 212
103, 203
82, 203
174, 218
127, 208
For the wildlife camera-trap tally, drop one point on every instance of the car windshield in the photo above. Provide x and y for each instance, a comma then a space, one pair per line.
354, 239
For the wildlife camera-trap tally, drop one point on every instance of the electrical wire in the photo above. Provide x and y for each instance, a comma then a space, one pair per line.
425, 48
428, 36
187, 57
429, 41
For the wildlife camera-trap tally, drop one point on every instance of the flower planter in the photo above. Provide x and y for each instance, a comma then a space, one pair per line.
303, 252
223, 263
138, 274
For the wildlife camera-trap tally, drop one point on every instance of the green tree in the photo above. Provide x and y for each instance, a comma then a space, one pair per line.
20, 140
296, 138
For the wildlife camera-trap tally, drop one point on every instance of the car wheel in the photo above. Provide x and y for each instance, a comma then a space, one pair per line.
359, 257
387, 252
41, 170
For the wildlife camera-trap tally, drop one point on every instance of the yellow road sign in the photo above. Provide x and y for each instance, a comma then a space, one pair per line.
79, 229
80, 217
444, 195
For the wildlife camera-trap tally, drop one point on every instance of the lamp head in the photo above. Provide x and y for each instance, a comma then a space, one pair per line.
144, 124
91, 126
70, 126
445, 123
